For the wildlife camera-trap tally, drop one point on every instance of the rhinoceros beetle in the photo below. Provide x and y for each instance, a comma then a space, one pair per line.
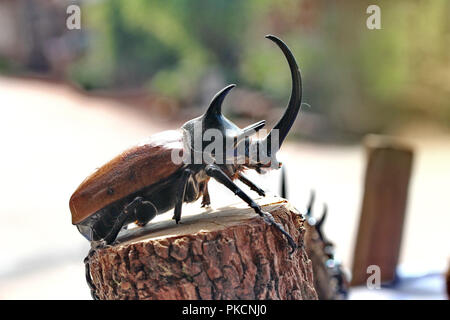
149, 179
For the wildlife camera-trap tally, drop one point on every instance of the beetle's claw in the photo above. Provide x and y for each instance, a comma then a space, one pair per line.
293, 248
270, 220
177, 220
100, 244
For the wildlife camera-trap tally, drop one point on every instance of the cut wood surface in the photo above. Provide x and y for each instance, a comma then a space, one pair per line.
228, 253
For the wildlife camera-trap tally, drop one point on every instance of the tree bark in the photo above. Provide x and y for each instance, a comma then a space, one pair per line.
230, 253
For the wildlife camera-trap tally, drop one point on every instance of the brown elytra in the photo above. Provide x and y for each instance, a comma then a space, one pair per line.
132, 170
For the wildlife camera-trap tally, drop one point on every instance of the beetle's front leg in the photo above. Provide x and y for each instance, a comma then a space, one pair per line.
251, 185
181, 191
216, 173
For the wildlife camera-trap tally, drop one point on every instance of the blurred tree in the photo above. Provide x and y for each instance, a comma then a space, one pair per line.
356, 80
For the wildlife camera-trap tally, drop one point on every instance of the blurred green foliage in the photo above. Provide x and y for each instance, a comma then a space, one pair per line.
360, 80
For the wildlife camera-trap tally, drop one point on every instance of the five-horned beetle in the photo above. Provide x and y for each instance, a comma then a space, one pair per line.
145, 181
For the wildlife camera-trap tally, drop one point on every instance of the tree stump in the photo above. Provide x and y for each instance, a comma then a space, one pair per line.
229, 253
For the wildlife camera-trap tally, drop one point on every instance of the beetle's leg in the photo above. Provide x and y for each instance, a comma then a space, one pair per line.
111, 236
206, 201
251, 185
181, 190
216, 173
145, 212
120, 220
87, 269
88, 274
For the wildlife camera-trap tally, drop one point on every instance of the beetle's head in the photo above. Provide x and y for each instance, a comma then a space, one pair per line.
213, 138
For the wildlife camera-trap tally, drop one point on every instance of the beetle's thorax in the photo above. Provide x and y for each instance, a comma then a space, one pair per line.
210, 139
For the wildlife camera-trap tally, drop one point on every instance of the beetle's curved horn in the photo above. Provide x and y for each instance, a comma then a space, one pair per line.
289, 116
215, 107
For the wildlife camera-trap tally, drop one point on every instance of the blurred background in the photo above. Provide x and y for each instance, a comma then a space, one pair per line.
73, 99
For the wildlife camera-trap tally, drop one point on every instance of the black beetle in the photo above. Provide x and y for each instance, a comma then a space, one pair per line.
145, 180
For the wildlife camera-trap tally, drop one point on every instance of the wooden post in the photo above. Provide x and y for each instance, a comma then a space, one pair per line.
230, 253
388, 171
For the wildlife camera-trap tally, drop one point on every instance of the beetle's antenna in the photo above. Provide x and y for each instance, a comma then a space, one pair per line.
215, 107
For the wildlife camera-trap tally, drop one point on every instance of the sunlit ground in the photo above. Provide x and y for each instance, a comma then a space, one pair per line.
53, 137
